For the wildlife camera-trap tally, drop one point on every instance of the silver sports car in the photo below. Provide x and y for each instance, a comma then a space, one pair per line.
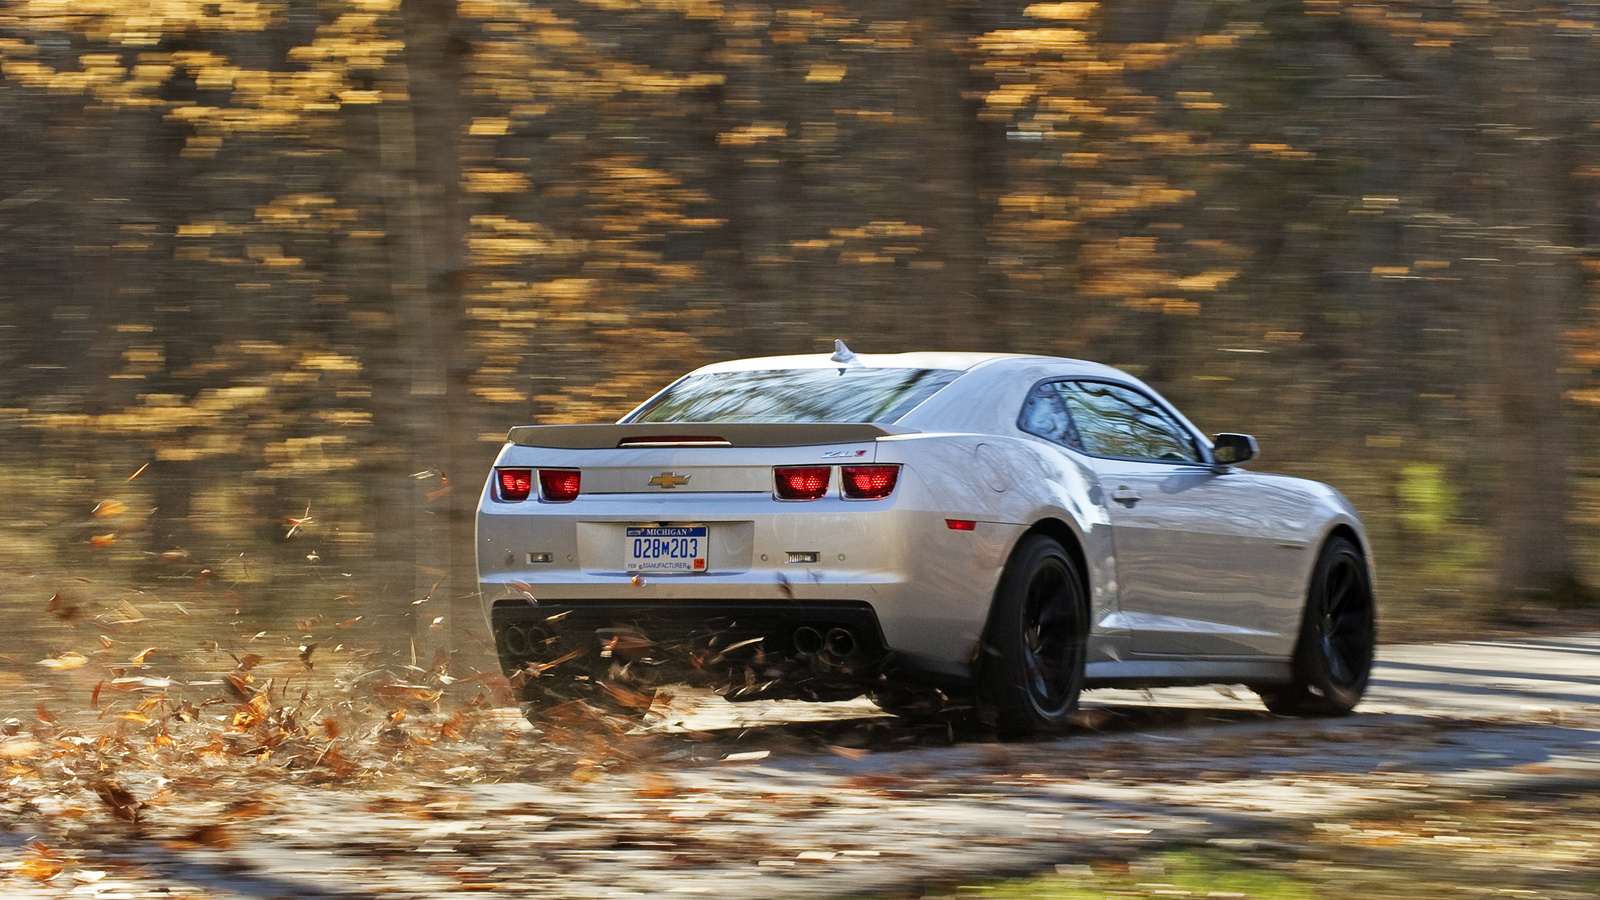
993, 532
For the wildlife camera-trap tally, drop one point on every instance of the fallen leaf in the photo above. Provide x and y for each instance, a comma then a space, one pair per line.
65, 661
119, 799
107, 508
215, 835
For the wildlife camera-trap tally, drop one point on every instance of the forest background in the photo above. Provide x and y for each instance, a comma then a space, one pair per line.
276, 277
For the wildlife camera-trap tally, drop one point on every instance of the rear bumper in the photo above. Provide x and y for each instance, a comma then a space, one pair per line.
816, 650
923, 588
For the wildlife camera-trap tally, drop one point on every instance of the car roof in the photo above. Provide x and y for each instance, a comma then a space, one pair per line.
925, 359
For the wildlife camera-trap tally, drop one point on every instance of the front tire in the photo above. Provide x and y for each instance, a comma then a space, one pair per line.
1338, 635
1031, 672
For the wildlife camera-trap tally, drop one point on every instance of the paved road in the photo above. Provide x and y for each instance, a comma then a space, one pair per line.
789, 800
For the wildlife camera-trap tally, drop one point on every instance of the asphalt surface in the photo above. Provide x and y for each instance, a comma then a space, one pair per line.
788, 800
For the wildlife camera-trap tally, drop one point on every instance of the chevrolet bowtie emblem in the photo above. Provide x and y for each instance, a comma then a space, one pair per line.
669, 480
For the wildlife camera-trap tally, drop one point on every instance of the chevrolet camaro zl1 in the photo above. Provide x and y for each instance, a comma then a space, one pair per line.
993, 531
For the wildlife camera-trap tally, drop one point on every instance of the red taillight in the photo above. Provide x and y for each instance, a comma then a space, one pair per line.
558, 485
801, 482
514, 484
869, 482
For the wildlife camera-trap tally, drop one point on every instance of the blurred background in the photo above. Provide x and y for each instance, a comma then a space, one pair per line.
276, 277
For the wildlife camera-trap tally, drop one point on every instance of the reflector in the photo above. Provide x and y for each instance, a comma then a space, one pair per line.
961, 524
800, 482
558, 485
514, 484
869, 482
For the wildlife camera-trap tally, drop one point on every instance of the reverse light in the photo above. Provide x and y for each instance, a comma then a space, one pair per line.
800, 482
869, 482
514, 484
559, 485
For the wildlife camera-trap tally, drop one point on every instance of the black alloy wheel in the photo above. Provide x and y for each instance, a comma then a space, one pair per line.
1338, 636
1031, 672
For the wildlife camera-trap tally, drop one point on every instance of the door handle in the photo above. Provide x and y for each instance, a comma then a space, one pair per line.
1126, 496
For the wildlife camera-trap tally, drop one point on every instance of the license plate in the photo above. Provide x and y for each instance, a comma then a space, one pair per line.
666, 548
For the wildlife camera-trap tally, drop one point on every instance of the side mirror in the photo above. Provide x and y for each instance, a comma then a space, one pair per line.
1233, 449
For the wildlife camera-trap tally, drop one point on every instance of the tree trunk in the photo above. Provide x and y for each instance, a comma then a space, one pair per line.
434, 427
1531, 289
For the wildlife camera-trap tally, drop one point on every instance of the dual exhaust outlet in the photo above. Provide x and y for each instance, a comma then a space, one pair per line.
838, 642
523, 641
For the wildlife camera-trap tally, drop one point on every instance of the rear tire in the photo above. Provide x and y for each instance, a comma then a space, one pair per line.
1338, 634
1031, 672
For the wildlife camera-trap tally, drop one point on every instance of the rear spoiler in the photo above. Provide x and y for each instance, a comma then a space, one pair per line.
675, 434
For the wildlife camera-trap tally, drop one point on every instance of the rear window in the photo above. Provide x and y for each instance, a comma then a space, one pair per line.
795, 395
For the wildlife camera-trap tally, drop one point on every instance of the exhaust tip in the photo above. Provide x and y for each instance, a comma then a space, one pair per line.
841, 642
808, 639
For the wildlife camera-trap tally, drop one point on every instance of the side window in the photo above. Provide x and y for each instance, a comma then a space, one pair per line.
1045, 414
1112, 420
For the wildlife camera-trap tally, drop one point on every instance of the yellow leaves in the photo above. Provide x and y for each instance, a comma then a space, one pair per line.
308, 211
330, 362
1069, 12
500, 395
826, 74
1199, 100
491, 126
1216, 41
1282, 151
750, 135
271, 256
65, 662
1101, 199
1172, 306
1207, 281
1033, 40
879, 230
489, 181
1013, 96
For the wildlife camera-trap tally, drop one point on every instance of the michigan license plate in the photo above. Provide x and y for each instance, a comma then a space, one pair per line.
666, 548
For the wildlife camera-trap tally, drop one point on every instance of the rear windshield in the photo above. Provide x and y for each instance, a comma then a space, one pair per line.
795, 395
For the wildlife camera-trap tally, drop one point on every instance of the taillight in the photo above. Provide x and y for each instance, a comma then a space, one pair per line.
800, 482
514, 484
559, 485
869, 482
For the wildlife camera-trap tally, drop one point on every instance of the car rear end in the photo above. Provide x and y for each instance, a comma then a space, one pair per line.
803, 559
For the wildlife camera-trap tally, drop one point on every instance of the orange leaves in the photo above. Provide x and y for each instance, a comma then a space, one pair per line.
63, 609
41, 863
119, 800
107, 508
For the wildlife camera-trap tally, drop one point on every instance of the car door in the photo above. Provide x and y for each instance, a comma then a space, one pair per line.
1198, 569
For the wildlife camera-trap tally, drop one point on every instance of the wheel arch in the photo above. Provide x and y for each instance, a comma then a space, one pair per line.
1070, 541
1351, 533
